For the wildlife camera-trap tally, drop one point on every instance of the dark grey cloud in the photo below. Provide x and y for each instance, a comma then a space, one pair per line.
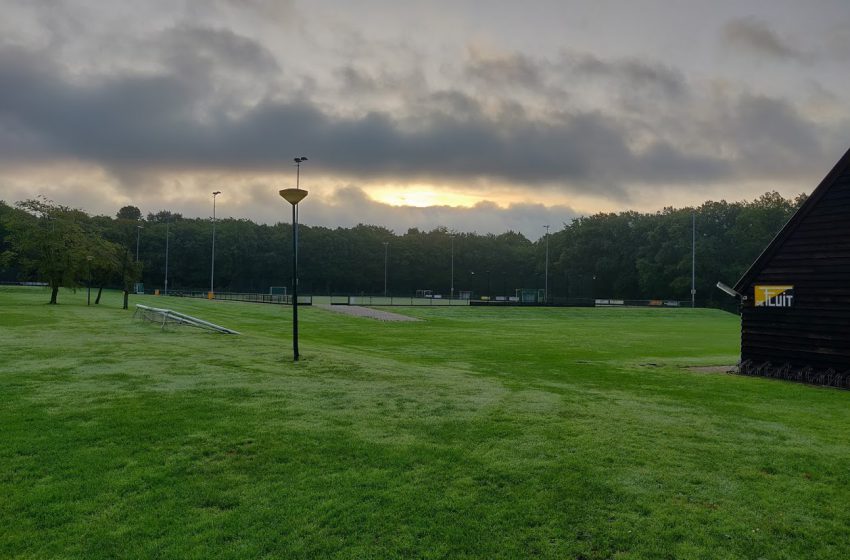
171, 119
773, 136
507, 70
195, 110
628, 74
755, 37
184, 48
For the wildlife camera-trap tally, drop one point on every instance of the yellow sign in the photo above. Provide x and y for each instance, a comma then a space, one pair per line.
774, 296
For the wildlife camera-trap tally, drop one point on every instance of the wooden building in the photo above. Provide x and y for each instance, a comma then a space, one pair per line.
795, 307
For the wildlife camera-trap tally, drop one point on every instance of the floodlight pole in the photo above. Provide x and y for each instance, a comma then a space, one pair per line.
693, 257
294, 196
212, 267
546, 279
88, 288
386, 252
452, 287
139, 228
167, 223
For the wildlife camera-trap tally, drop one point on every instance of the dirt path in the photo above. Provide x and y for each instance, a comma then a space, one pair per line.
712, 369
358, 311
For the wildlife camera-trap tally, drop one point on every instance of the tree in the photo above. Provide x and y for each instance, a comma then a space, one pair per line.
49, 242
130, 213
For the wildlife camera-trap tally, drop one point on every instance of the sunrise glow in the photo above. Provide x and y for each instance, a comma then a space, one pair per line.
422, 197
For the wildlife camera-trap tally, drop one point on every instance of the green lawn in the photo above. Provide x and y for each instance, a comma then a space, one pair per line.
476, 433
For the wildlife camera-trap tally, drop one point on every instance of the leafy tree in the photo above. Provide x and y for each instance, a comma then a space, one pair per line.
129, 213
50, 242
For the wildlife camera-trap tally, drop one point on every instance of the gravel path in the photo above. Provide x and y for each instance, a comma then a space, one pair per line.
358, 311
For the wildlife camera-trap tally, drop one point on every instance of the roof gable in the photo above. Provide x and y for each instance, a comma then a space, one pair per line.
799, 216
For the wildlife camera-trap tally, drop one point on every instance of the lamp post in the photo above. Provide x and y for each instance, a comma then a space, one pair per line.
546, 279
212, 266
139, 229
89, 259
294, 196
452, 286
386, 252
693, 257
167, 223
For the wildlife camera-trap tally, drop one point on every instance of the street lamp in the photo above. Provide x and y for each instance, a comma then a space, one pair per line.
167, 223
693, 258
212, 266
386, 252
546, 280
452, 287
294, 196
139, 229
89, 259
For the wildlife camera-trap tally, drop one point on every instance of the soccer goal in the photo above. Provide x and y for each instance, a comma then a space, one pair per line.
165, 317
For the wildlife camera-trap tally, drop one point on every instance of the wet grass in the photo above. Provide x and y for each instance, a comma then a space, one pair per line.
476, 433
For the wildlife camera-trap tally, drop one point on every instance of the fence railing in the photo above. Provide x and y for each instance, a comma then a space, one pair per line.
388, 300
377, 301
247, 297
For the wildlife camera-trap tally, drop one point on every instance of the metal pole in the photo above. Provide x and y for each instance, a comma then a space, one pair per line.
546, 281
452, 289
88, 288
167, 223
139, 229
386, 252
693, 257
294, 284
212, 266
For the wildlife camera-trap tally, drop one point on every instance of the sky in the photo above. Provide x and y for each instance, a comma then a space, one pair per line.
476, 116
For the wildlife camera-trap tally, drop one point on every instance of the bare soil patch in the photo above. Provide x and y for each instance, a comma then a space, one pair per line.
712, 369
368, 312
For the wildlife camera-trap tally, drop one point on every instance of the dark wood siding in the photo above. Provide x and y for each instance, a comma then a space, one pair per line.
814, 256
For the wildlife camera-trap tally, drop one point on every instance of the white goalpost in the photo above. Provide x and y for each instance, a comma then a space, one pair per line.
169, 317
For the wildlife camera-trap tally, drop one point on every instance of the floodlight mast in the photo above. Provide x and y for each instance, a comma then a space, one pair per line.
212, 265
546, 273
386, 252
139, 229
693, 258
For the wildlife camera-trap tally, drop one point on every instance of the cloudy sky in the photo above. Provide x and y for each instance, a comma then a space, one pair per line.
478, 116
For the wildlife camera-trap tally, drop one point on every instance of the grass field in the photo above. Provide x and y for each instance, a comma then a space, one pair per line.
476, 433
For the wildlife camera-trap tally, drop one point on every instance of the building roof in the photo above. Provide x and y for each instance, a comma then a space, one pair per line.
793, 223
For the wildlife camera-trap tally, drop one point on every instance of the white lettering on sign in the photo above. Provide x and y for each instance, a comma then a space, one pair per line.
774, 296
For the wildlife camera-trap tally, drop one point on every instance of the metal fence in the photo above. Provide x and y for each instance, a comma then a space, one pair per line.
247, 297
377, 301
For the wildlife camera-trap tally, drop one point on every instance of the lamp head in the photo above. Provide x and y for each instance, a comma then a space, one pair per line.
216, 193
728, 290
293, 196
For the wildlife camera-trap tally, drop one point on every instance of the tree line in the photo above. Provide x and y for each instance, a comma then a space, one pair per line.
625, 255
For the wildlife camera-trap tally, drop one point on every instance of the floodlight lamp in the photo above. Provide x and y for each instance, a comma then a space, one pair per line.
728, 290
